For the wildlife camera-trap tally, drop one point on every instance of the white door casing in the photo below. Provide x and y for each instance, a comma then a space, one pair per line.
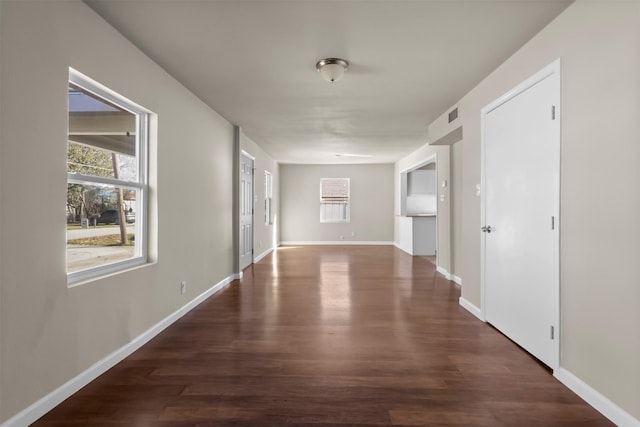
246, 210
520, 214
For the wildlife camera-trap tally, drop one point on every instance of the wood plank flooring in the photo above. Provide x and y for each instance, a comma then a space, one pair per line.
333, 336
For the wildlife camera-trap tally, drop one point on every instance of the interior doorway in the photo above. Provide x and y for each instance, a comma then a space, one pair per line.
419, 209
246, 209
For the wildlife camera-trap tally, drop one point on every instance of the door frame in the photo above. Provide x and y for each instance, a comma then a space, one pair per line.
433, 158
552, 70
253, 210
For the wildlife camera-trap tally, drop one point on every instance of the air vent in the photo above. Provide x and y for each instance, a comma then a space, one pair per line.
453, 114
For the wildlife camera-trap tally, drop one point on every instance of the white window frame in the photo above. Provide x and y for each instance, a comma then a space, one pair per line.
346, 217
268, 197
141, 185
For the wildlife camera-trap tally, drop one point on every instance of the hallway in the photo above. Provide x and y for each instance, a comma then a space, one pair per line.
329, 335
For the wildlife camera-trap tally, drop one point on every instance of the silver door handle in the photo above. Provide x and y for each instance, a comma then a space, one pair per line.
486, 229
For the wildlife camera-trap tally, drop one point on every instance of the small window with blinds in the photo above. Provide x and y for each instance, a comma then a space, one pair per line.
334, 200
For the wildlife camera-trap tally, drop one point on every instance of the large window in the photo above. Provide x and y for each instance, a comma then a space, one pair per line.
334, 200
268, 197
106, 181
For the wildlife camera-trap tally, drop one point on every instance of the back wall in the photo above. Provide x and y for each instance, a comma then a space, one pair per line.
371, 203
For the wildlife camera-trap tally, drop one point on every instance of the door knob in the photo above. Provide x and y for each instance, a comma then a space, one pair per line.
486, 229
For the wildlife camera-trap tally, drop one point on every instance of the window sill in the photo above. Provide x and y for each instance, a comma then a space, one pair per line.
94, 276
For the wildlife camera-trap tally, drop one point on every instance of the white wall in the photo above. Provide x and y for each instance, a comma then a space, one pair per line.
50, 332
599, 46
265, 237
371, 203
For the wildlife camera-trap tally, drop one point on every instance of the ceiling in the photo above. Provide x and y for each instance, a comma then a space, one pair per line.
254, 63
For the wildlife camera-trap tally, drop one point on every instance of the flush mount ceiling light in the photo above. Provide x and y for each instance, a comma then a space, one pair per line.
331, 69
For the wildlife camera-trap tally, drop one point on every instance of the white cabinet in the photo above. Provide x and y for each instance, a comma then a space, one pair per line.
418, 235
424, 235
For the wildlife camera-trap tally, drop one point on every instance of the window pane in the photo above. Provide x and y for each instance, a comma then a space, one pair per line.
94, 235
102, 137
334, 200
94, 161
334, 211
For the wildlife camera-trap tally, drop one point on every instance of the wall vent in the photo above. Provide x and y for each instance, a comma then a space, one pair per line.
453, 114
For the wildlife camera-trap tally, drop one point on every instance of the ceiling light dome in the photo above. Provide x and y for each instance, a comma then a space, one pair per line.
332, 69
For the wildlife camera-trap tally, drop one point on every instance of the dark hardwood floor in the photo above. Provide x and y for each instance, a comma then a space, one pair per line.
360, 335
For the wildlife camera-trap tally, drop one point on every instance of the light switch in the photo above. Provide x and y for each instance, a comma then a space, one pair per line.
444, 183
478, 190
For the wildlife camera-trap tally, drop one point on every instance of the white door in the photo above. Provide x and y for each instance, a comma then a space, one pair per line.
521, 149
246, 211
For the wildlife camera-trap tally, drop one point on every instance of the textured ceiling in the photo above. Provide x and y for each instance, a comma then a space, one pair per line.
254, 63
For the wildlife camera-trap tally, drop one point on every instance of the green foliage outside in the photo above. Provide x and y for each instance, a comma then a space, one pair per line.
89, 161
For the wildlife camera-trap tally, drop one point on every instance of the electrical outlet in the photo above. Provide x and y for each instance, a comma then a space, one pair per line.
353, 234
183, 287
341, 237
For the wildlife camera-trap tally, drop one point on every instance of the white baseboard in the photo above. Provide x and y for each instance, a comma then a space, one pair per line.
606, 407
444, 272
36, 410
336, 242
203, 296
397, 245
471, 308
262, 255
449, 276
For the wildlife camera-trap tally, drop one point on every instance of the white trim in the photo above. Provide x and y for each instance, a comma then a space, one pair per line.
553, 69
431, 159
244, 153
78, 178
444, 272
455, 279
262, 255
336, 242
397, 245
206, 294
39, 408
471, 308
606, 407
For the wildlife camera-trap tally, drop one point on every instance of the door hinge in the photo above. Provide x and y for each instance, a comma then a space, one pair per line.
553, 112
553, 222
552, 332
